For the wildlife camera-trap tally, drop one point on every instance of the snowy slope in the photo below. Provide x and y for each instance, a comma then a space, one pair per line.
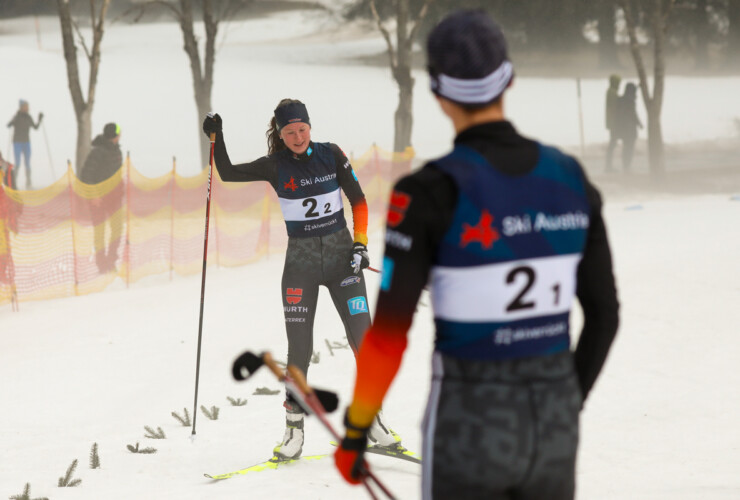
660, 424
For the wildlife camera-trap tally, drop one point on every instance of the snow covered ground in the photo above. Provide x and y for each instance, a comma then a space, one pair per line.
661, 422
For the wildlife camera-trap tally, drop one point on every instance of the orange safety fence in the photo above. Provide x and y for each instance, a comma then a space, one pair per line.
72, 238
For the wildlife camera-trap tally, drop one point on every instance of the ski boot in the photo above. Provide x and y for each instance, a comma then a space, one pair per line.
382, 436
292, 445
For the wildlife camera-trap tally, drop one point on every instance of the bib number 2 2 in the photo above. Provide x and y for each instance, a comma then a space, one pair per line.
311, 204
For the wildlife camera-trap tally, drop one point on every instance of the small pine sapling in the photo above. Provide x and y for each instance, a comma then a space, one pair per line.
94, 457
265, 391
66, 481
212, 414
237, 401
26, 495
154, 435
135, 449
184, 421
335, 345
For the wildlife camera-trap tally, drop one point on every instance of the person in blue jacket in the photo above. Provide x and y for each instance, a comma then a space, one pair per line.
22, 123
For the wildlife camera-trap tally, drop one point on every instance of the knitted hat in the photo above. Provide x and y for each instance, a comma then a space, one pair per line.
294, 112
468, 60
111, 130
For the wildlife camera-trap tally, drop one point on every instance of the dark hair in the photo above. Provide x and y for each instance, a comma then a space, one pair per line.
274, 142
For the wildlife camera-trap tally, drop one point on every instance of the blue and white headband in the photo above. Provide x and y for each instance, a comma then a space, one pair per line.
474, 91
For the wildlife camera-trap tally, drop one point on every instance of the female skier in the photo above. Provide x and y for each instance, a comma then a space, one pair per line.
307, 178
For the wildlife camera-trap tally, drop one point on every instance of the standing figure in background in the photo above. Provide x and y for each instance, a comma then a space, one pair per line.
612, 99
508, 232
104, 160
309, 178
22, 123
627, 123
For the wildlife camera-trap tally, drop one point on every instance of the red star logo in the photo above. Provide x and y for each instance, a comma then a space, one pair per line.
482, 232
397, 208
291, 185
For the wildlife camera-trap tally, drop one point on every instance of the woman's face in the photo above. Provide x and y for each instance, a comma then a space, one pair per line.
296, 137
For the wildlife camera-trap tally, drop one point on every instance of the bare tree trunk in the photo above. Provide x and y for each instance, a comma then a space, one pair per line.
702, 32
201, 70
83, 109
402, 74
84, 138
660, 10
400, 62
607, 30
733, 32
404, 116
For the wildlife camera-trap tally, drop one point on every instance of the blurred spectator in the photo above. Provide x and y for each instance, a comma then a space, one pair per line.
101, 164
22, 123
628, 123
612, 98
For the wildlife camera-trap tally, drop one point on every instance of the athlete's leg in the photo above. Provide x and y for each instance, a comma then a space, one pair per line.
552, 475
300, 290
478, 433
347, 289
350, 299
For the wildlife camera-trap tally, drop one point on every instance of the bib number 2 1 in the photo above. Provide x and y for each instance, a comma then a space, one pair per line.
521, 301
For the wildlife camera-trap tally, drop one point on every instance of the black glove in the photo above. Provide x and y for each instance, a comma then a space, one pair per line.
360, 259
212, 124
41, 115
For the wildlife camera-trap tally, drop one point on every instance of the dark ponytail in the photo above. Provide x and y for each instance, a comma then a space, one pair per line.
274, 142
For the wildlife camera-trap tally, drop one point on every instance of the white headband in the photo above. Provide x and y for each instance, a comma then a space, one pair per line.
475, 91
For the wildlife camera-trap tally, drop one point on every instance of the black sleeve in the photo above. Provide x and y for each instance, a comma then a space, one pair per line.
87, 172
346, 176
262, 169
597, 293
419, 214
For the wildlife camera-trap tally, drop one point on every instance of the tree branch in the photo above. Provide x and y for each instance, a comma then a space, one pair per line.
97, 41
386, 35
419, 20
82, 39
154, 3
635, 49
70, 56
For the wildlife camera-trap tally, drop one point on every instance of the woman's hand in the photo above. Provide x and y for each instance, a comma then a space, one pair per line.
360, 258
212, 124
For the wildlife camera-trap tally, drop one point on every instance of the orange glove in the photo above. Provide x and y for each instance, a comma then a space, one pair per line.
349, 457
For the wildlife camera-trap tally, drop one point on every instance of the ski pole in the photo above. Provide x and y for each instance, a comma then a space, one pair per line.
203, 284
314, 401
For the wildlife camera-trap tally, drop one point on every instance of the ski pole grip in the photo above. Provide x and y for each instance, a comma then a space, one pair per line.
213, 136
299, 378
267, 358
